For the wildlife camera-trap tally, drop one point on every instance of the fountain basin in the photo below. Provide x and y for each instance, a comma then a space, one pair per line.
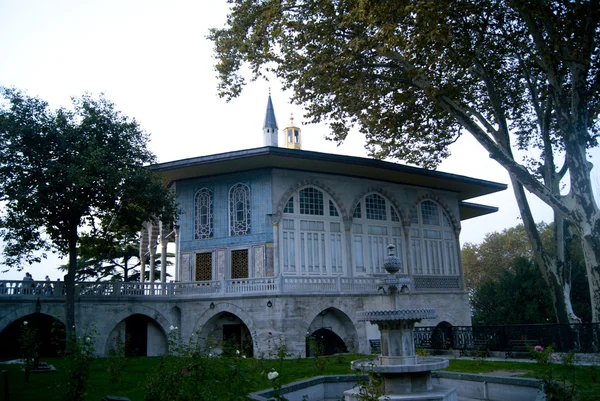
378, 366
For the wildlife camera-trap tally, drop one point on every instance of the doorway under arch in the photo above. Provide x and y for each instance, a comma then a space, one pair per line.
49, 333
140, 335
225, 333
324, 342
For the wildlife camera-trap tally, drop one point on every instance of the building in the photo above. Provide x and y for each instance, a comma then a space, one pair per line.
277, 245
295, 240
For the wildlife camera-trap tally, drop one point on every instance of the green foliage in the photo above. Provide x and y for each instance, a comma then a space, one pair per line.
29, 348
519, 296
561, 386
117, 360
506, 285
78, 366
65, 169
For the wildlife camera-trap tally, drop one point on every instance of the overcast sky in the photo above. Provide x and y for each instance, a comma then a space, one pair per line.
152, 59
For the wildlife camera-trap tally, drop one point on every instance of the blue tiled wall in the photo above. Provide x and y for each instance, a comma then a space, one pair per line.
260, 205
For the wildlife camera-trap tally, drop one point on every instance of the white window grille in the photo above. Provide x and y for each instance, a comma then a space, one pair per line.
203, 214
312, 240
239, 210
380, 227
433, 243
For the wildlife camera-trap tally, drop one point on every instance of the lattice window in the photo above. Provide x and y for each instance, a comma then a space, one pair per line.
239, 210
430, 214
375, 207
357, 212
332, 209
203, 214
311, 201
239, 264
376, 225
395, 216
433, 243
204, 266
414, 217
289, 206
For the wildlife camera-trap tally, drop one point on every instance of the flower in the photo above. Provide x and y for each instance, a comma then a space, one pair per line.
270, 333
210, 355
173, 328
538, 348
555, 357
237, 351
272, 375
25, 323
183, 372
88, 340
243, 356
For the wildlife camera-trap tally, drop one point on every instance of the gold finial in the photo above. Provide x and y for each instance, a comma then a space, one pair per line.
291, 118
269, 91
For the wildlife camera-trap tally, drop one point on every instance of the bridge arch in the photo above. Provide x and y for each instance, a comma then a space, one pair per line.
158, 327
48, 331
226, 328
330, 330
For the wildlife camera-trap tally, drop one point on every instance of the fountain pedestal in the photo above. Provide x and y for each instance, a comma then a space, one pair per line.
402, 375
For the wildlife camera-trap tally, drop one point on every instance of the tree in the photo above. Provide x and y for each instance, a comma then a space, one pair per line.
68, 171
491, 275
516, 296
115, 258
414, 75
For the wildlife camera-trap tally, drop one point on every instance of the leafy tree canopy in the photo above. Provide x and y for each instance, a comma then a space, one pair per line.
67, 171
413, 75
499, 271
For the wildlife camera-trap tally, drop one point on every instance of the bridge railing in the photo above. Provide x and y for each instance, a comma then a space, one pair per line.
279, 285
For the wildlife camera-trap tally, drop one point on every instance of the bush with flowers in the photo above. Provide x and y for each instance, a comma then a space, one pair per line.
556, 387
78, 365
29, 348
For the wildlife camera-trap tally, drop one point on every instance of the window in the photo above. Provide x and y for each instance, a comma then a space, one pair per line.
239, 210
203, 214
311, 239
204, 266
239, 264
432, 241
372, 234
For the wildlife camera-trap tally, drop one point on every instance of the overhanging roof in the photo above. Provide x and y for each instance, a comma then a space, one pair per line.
275, 157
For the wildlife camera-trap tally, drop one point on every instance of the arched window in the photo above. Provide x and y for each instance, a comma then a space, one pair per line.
432, 241
375, 225
311, 234
239, 210
203, 214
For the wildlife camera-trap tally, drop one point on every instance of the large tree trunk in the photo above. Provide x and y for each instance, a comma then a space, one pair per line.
554, 268
70, 286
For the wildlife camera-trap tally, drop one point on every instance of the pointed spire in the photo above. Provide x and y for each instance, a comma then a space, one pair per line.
270, 128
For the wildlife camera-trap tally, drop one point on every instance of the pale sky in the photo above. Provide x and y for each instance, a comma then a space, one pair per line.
152, 59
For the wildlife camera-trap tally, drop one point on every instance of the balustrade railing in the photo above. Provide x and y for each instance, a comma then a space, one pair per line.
283, 284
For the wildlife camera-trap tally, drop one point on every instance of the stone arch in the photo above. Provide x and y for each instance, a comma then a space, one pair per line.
29, 309
49, 332
218, 312
382, 192
335, 316
307, 183
453, 221
118, 317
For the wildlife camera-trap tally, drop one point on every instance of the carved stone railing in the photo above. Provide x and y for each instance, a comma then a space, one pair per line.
216, 288
428, 283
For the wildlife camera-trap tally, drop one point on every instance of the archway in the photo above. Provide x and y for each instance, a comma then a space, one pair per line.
441, 338
225, 333
324, 342
138, 335
330, 332
49, 333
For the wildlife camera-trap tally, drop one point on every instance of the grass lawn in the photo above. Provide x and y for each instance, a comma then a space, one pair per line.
249, 376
